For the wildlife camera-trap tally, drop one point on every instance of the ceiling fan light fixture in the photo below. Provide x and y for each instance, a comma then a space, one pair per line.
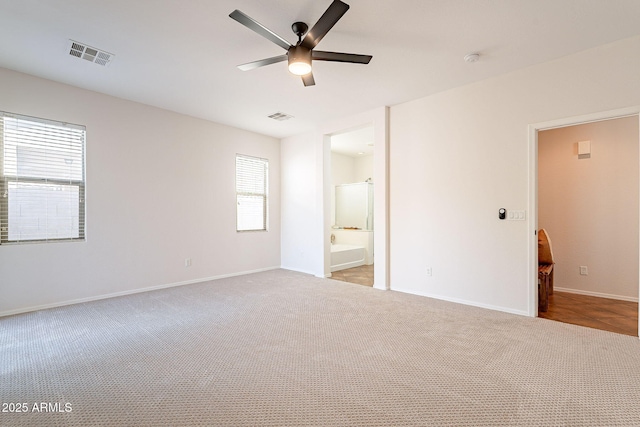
299, 68
299, 60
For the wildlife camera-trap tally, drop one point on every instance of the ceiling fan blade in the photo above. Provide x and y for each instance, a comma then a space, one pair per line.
325, 23
308, 79
319, 55
254, 25
261, 63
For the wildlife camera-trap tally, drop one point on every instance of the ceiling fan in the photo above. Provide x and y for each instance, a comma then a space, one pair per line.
300, 55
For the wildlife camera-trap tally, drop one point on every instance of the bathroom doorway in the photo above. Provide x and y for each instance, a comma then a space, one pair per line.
352, 206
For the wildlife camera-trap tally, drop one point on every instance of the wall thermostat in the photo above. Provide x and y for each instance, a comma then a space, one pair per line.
502, 213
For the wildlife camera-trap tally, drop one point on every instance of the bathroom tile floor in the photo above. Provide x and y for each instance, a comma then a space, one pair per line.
362, 275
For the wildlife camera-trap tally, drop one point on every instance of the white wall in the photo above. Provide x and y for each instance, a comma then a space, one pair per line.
302, 205
458, 156
363, 168
589, 206
160, 188
347, 169
343, 169
306, 196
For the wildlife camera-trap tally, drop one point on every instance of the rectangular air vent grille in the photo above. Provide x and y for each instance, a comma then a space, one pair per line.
280, 116
88, 53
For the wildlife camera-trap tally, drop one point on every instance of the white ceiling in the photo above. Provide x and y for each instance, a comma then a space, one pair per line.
182, 55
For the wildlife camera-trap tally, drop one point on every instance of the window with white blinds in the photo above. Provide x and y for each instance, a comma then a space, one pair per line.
42, 180
252, 176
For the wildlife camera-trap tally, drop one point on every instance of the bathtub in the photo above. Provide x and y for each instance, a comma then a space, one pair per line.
346, 256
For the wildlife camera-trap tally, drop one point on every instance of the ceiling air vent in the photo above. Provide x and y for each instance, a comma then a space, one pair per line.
88, 53
280, 116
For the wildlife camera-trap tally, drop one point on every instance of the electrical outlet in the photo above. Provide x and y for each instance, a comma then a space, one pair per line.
583, 270
429, 271
187, 262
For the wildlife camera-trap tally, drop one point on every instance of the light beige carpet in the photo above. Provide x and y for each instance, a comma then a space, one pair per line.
286, 349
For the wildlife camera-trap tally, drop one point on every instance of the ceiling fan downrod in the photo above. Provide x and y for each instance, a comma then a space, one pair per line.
299, 29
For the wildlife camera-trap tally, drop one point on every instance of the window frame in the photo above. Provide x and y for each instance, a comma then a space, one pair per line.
5, 181
264, 195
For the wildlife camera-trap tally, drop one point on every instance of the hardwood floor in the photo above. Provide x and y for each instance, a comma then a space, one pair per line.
362, 275
593, 312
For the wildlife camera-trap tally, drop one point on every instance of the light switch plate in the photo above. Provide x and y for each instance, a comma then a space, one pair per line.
516, 215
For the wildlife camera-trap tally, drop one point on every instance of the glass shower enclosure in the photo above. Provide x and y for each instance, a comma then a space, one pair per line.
354, 206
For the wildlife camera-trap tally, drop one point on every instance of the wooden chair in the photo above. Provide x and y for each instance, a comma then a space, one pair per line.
545, 270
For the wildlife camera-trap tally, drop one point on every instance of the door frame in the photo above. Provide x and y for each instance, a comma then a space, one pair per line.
379, 119
533, 188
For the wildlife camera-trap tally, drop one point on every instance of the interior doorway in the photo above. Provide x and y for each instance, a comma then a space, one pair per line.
379, 120
587, 199
352, 206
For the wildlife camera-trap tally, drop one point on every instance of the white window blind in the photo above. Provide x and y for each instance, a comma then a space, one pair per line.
42, 182
251, 193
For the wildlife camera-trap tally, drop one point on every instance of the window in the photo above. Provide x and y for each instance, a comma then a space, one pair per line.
251, 193
41, 180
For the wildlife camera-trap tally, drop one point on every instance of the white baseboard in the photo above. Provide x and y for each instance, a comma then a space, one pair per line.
465, 302
595, 294
130, 292
298, 270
